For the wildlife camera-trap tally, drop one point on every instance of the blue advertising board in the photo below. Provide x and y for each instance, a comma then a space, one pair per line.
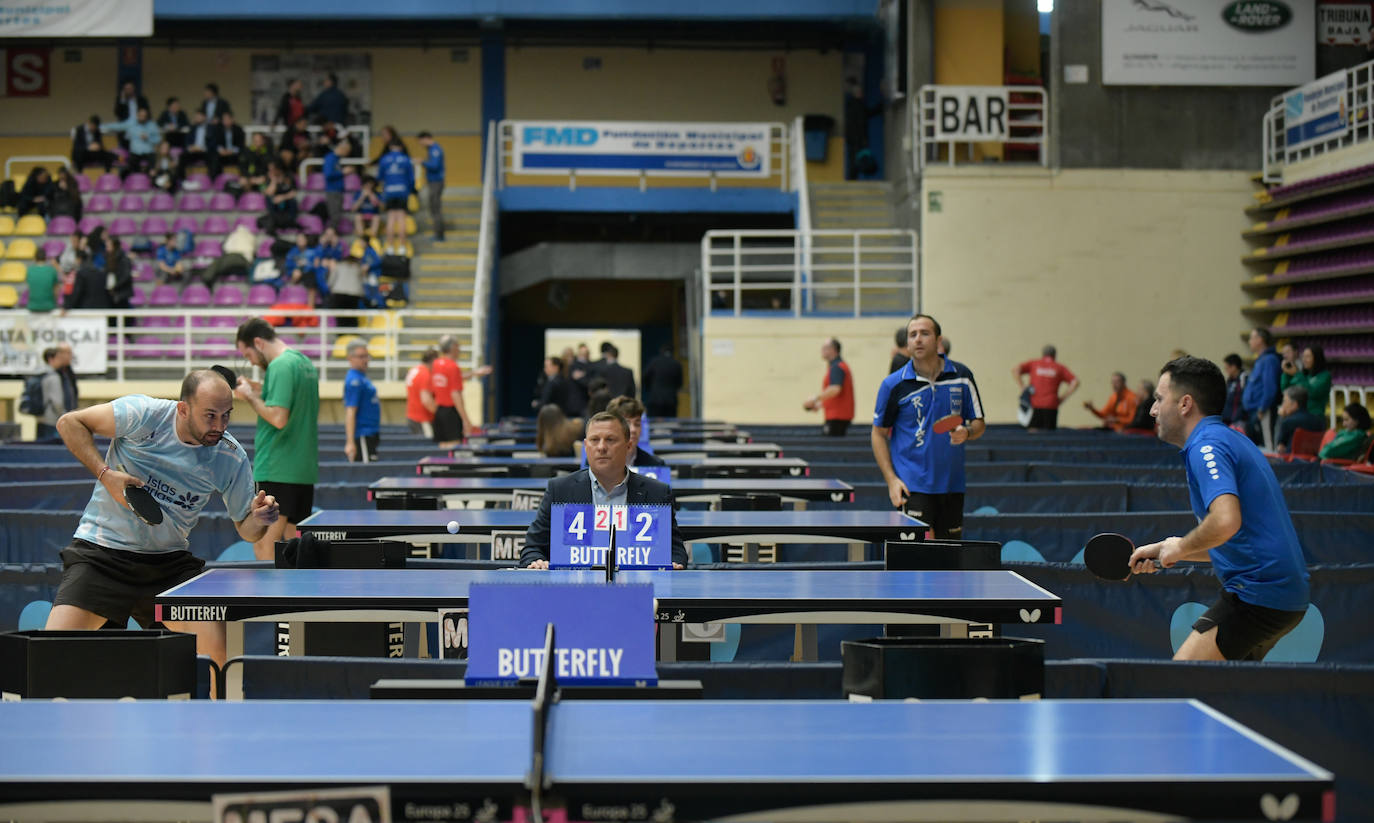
731, 149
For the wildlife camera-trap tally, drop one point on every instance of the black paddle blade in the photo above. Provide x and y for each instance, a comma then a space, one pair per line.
1108, 556
228, 374
143, 504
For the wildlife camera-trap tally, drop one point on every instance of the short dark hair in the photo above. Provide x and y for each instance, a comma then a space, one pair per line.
424, 135
254, 328
431, 354
191, 383
1298, 394
39, 255
607, 417
1233, 359
1200, 378
171, 100
333, 78
1318, 357
1265, 335
626, 406
556, 361
900, 337
213, 87
1360, 415
49, 353
1119, 374
1048, 351
933, 322
834, 342
607, 346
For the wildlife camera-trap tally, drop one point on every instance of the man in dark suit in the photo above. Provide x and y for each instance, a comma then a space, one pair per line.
662, 381
619, 380
228, 142
213, 106
200, 145
128, 102
87, 147
88, 288
557, 389
605, 481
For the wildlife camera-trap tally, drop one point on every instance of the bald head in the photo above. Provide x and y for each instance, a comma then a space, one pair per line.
206, 403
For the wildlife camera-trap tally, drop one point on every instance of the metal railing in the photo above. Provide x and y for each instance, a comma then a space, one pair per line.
1359, 97
303, 171
1025, 124
779, 143
36, 158
486, 243
828, 271
164, 344
1351, 393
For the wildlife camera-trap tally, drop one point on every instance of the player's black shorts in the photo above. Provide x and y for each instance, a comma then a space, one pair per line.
1044, 419
117, 584
396, 203
448, 426
835, 428
1246, 631
366, 446
944, 513
294, 500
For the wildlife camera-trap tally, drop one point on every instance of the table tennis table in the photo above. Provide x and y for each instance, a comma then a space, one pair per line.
408, 491
655, 760
698, 450
681, 466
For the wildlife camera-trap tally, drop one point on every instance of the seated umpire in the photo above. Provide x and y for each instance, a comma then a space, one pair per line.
605, 482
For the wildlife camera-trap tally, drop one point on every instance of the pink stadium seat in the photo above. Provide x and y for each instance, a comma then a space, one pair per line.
161, 201
217, 348
208, 248
89, 223
54, 248
314, 181
252, 201
352, 182
223, 180
196, 182
344, 226
229, 295
61, 226
145, 273
215, 224
310, 201
155, 226
220, 201
249, 222
293, 294
195, 295
162, 297
186, 223
261, 295
130, 203
265, 248
137, 183
123, 227
99, 204
310, 224
108, 182
84, 184
190, 201
139, 298
224, 321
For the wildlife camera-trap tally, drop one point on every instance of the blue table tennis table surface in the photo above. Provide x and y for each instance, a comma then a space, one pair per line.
701, 759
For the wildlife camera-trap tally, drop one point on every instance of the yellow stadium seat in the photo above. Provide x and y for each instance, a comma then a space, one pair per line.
356, 250
21, 249
9, 297
12, 271
383, 320
2, 248
6, 224
31, 225
411, 228
341, 345
380, 347
413, 204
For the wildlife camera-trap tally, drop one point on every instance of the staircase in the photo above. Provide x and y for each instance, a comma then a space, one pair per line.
857, 204
443, 272
848, 207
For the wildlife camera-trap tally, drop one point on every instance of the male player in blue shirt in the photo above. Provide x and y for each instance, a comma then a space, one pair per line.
362, 409
924, 470
397, 175
1243, 523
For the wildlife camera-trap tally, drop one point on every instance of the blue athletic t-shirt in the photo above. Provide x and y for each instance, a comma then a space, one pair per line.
909, 404
180, 476
1263, 563
397, 175
359, 393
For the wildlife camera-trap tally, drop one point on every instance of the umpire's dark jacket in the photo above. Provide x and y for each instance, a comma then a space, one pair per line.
577, 488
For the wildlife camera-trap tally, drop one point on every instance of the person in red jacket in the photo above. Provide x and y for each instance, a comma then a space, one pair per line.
1046, 376
836, 399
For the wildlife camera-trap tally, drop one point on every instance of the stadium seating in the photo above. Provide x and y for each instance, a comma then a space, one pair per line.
31, 225
108, 183
100, 204
21, 248
261, 295
215, 224
228, 295
222, 201
9, 296
161, 201
6, 224
12, 271
186, 223
89, 223
130, 203
155, 227
137, 183
123, 227
61, 226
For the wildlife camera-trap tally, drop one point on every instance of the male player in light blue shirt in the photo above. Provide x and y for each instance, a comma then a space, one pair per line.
178, 451
1243, 523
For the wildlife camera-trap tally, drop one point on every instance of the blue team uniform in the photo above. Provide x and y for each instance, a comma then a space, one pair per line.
397, 176
909, 404
359, 393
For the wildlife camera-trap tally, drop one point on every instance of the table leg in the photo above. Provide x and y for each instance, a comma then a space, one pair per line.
667, 642
805, 645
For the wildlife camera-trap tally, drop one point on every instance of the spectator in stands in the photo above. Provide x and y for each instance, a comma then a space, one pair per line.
924, 471
291, 109
1046, 376
239, 249
299, 266
88, 287
367, 208
557, 390
1293, 415
362, 409
128, 102
59, 392
282, 205
95, 244
1352, 439
1119, 410
43, 283
555, 435
171, 260
899, 357
397, 174
66, 196
1261, 395
371, 262
119, 275
1143, 421
212, 105
331, 104
619, 380
174, 123
662, 382
88, 148
334, 181
451, 421
67, 262
632, 411
36, 194
1288, 356
1234, 370
1310, 373
836, 398
228, 142
141, 136
420, 403
254, 161
385, 138
199, 148
1243, 526
345, 287
434, 182
294, 146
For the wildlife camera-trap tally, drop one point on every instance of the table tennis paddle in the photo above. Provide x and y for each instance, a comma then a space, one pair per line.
947, 424
142, 502
1108, 555
228, 374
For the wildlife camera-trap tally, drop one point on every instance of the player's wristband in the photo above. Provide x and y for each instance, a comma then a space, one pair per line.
102, 473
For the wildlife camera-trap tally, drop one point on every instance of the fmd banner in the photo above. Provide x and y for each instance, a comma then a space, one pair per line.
730, 149
24, 336
1208, 42
1316, 111
77, 18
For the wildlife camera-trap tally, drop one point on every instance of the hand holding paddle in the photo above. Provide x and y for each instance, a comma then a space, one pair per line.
143, 504
1113, 557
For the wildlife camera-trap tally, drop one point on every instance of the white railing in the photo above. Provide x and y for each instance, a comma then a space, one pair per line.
779, 165
486, 243
303, 171
828, 271
167, 343
801, 185
1350, 393
35, 158
1359, 97
361, 135
1020, 114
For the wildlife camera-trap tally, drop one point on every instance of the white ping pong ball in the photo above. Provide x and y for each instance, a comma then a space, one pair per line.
453, 527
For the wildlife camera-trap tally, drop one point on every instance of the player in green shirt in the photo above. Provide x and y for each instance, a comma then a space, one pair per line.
286, 445
42, 278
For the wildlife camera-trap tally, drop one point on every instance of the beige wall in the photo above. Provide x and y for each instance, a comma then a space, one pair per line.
668, 84
1115, 268
760, 370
